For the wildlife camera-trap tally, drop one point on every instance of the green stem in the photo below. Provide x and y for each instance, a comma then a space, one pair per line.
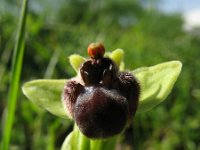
108, 144
84, 142
77, 141
80, 142
96, 144
15, 78
89, 144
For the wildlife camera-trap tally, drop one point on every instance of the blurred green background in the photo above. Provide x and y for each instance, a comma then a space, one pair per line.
56, 29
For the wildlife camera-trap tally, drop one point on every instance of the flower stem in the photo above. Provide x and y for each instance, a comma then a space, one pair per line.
77, 141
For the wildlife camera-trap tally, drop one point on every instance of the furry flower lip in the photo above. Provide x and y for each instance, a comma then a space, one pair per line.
101, 99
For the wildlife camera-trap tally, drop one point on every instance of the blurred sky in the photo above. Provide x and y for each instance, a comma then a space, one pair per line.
183, 6
190, 10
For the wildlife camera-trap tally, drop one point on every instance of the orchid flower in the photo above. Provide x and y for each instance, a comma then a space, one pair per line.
155, 84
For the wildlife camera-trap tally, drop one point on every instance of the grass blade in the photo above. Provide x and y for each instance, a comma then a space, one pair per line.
15, 78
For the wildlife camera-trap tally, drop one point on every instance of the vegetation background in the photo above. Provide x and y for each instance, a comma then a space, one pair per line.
56, 29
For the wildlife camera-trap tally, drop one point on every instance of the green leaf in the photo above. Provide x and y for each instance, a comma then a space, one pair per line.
76, 61
46, 94
156, 83
17, 61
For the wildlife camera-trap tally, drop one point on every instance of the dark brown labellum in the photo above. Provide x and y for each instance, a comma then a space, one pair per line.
101, 113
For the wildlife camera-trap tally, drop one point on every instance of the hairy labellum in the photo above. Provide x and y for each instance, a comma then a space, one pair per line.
100, 113
104, 104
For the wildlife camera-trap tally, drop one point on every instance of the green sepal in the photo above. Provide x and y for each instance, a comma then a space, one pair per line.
156, 83
46, 94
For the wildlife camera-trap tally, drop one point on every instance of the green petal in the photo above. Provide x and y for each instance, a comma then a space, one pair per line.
117, 56
76, 61
46, 94
122, 66
156, 83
